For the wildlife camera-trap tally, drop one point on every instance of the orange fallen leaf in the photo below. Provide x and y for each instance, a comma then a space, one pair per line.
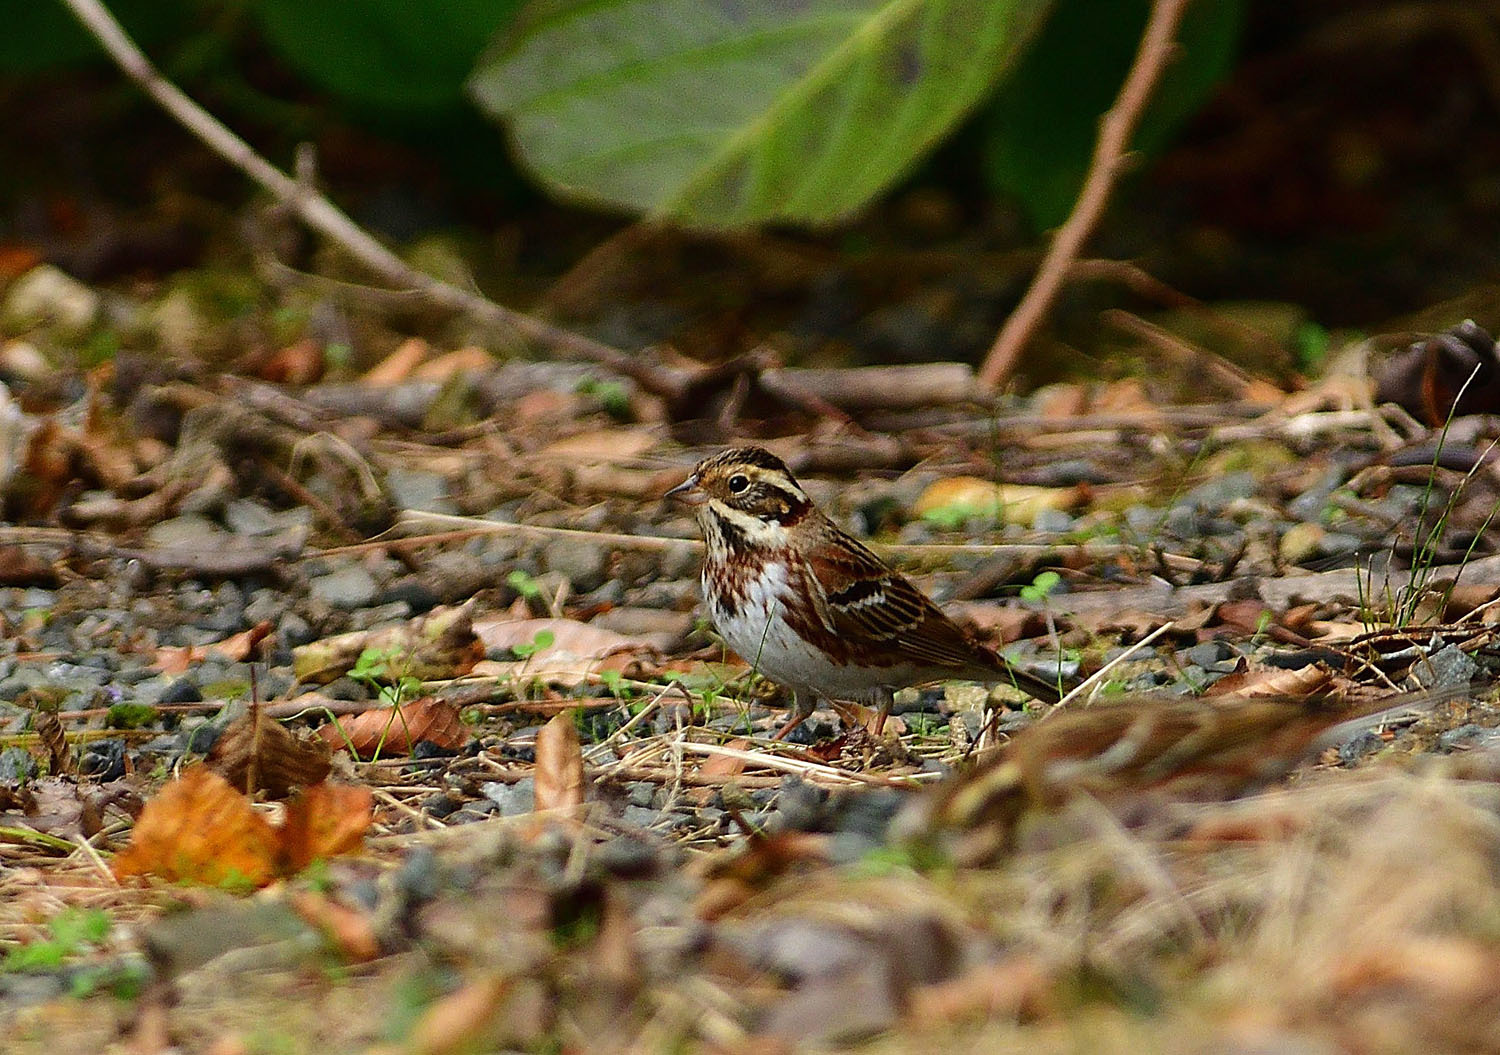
326, 820
396, 730
559, 765
176, 659
470, 359
720, 766
201, 830
352, 932
398, 366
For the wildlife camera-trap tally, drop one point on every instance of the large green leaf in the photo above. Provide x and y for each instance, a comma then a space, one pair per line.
43, 34
1042, 124
385, 54
733, 112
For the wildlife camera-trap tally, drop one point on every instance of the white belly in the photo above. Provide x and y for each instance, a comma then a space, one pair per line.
756, 631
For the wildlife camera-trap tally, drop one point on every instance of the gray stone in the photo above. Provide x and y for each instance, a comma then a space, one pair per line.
293, 630
245, 516
512, 800
1208, 653
36, 597
348, 587
582, 563
1467, 735
190, 531
378, 615
419, 489
1052, 521
1366, 743
48, 296
16, 765
640, 816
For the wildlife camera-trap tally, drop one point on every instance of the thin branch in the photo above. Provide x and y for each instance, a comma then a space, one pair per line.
1109, 161
322, 215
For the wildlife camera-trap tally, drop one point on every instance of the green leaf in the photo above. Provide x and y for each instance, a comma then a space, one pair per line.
1042, 124
742, 111
385, 54
41, 35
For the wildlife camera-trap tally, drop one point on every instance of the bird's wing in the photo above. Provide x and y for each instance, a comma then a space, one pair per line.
860, 598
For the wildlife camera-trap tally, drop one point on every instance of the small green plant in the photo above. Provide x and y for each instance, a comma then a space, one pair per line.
612, 396
130, 716
614, 681
384, 670
523, 584
1044, 583
544, 639
72, 932
1311, 347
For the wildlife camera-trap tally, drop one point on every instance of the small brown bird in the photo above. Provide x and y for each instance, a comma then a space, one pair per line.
812, 608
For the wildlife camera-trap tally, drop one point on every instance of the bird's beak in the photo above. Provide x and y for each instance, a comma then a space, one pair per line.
688, 492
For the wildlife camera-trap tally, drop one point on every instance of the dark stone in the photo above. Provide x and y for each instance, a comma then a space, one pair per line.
183, 690
417, 595
628, 857
1366, 743
104, 760
439, 805
800, 805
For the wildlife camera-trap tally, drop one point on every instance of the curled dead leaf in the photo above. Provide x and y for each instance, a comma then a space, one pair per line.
177, 659
439, 645
388, 731
256, 753
559, 765
200, 829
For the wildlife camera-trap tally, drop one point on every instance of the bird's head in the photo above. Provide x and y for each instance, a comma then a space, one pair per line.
750, 489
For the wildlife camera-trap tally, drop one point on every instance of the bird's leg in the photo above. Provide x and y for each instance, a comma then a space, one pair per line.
884, 699
802, 706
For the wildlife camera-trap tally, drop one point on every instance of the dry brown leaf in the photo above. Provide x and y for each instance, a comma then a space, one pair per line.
49, 730
471, 359
256, 753
569, 638
972, 496
326, 820
300, 363
439, 645
18, 567
199, 829
1258, 684
559, 765
177, 659
397, 366
1000, 990
719, 766
462, 1020
352, 932
396, 730
609, 445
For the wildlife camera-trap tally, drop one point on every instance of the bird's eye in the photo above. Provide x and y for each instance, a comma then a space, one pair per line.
738, 483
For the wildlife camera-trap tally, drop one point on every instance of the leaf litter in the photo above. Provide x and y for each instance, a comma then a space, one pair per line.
1226, 834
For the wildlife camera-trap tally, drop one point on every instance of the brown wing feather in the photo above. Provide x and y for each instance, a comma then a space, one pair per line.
861, 598
864, 598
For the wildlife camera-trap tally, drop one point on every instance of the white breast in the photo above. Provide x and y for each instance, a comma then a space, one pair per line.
757, 631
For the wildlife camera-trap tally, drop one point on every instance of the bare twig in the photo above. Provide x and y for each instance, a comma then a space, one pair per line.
1110, 159
326, 218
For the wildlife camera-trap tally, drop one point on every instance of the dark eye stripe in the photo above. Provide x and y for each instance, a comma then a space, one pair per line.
733, 535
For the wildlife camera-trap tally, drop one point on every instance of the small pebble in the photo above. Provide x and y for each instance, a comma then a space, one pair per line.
349, 587
1366, 743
